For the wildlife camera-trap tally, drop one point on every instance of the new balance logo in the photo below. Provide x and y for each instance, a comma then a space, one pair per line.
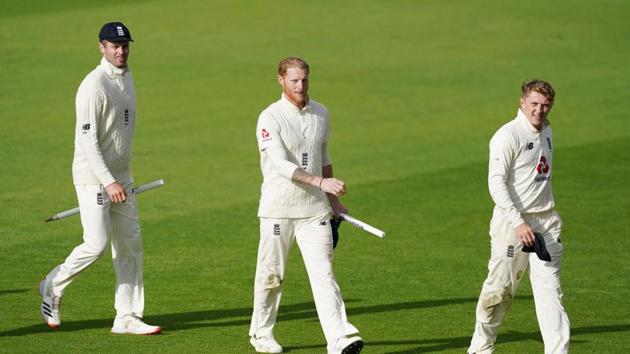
276, 229
126, 117
99, 198
304, 160
529, 146
510, 251
323, 223
86, 126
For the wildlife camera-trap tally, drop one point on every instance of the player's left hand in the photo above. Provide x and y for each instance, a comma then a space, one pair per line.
337, 208
525, 234
333, 186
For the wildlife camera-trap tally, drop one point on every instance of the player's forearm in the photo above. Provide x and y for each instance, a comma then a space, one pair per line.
301, 176
501, 197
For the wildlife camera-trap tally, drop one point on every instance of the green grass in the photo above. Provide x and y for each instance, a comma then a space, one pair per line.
415, 90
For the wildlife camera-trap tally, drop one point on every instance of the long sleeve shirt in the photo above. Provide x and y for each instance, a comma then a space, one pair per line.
105, 121
288, 139
519, 173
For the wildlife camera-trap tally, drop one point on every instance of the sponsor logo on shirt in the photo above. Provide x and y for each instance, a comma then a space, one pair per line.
323, 223
529, 146
86, 126
542, 166
265, 134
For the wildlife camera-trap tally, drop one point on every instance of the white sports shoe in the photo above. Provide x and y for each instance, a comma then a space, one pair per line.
346, 345
133, 325
51, 305
267, 344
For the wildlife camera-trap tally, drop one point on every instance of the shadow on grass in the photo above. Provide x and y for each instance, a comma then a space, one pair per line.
216, 318
306, 310
13, 291
440, 344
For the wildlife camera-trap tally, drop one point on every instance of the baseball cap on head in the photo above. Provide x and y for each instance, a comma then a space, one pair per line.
115, 32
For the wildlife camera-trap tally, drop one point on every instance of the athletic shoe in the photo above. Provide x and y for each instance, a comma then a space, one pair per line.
51, 305
266, 344
346, 345
134, 325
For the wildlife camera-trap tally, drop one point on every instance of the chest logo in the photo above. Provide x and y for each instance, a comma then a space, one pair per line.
543, 166
529, 146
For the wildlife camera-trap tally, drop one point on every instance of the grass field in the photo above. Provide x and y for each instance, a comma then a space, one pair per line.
415, 90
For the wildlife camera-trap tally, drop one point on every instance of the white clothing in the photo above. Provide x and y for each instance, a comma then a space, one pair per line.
106, 111
520, 169
519, 179
99, 217
289, 138
106, 115
313, 236
506, 268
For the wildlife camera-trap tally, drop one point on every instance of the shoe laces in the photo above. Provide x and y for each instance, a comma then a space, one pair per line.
56, 303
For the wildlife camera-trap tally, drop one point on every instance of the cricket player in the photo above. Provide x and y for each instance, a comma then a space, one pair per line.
297, 194
101, 170
519, 179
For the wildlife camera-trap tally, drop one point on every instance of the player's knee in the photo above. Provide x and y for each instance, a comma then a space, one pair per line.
96, 249
270, 280
491, 299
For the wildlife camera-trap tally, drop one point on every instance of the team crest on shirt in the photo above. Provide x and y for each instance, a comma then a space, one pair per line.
265, 134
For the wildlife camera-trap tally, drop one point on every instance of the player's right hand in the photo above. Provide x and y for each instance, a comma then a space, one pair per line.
333, 186
116, 192
525, 234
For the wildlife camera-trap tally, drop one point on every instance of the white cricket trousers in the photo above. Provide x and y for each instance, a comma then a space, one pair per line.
506, 268
99, 218
314, 237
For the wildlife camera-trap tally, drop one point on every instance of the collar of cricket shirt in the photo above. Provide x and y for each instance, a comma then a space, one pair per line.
522, 118
284, 101
113, 71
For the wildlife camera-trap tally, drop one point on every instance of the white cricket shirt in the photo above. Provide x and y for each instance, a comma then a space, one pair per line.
302, 136
519, 173
106, 115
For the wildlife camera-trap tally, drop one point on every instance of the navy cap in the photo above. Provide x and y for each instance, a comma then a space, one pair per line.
115, 32
334, 224
539, 247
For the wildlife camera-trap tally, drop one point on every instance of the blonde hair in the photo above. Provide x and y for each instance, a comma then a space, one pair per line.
291, 62
542, 87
